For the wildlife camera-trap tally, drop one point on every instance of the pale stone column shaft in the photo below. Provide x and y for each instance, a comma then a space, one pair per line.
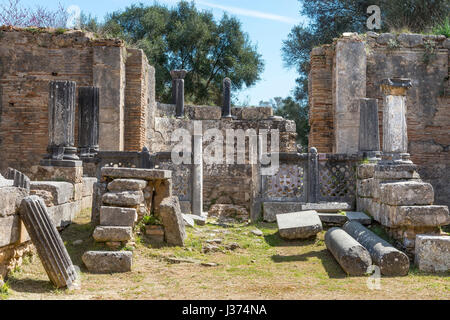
197, 175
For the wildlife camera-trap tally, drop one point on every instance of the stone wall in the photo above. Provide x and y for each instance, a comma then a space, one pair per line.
31, 58
423, 59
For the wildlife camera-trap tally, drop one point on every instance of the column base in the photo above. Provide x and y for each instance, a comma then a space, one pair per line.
372, 156
60, 163
395, 158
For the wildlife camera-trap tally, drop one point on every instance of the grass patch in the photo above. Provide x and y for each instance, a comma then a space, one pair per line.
442, 28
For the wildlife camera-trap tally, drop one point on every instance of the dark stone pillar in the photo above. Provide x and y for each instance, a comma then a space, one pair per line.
369, 136
61, 124
178, 91
226, 108
88, 121
48, 242
313, 175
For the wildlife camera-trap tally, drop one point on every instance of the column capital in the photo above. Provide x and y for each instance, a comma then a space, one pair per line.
395, 86
178, 74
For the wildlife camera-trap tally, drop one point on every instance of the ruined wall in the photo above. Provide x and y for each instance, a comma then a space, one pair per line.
31, 58
423, 59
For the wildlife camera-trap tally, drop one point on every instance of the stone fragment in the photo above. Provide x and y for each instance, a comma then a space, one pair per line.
48, 242
423, 216
396, 172
10, 199
207, 248
207, 113
77, 242
385, 38
174, 230
410, 40
432, 253
124, 198
271, 209
256, 113
62, 192
114, 245
406, 193
99, 190
333, 219
198, 220
119, 185
108, 261
350, 255
135, 173
117, 216
360, 217
228, 211
365, 171
107, 233
327, 207
299, 225
88, 186
9, 230
19, 179
391, 261
155, 233
257, 232
188, 221
63, 214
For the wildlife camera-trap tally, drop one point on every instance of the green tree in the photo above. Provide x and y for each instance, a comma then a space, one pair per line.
186, 38
288, 108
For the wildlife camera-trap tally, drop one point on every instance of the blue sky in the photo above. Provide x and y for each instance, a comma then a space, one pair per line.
268, 22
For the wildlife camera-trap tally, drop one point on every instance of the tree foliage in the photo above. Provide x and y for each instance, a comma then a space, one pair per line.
186, 38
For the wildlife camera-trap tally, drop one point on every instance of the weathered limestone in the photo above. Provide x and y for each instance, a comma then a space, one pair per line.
395, 139
391, 261
134, 173
124, 198
116, 216
172, 220
369, 137
19, 179
299, 225
88, 121
62, 192
432, 253
61, 114
10, 199
271, 209
406, 193
197, 175
48, 242
99, 190
226, 107
110, 233
63, 215
350, 85
228, 211
178, 91
188, 221
351, 256
333, 219
9, 230
108, 261
199, 220
51, 173
155, 233
119, 185
327, 207
360, 217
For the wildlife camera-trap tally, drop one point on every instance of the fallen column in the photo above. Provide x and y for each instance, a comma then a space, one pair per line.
351, 256
391, 261
49, 245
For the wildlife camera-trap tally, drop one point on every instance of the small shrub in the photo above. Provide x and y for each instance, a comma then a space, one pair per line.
442, 28
4, 290
393, 44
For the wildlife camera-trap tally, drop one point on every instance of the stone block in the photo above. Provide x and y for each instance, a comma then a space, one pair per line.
414, 216
116, 216
365, 171
9, 230
327, 207
385, 38
10, 199
185, 207
410, 40
299, 225
172, 220
271, 209
104, 234
364, 188
188, 221
396, 172
198, 220
125, 198
62, 215
51, 173
256, 113
134, 173
207, 113
88, 186
78, 191
432, 253
406, 193
99, 190
62, 192
86, 203
118, 185
333, 219
228, 211
108, 261
360, 217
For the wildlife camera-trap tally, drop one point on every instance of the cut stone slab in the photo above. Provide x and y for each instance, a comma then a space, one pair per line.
188, 220
396, 172
423, 216
125, 198
327, 207
174, 230
108, 261
62, 192
63, 214
349, 253
432, 253
116, 216
360, 217
199, 220
105, 234
271, 209
134, 173
406, 193
333, 219
9, 230
119, 185
10, 199
88, 186
299, 225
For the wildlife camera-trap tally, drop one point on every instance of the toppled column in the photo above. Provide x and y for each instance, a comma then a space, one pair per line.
369, 136
20, 180
61, 118
226, 107
391, 261
349, 253
178, 91
88, 121
48, 242
395, 137
197, 175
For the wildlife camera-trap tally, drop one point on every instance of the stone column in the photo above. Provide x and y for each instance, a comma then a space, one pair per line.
88, 124
313, 176
226, 107
48, 242
178, 91
369, 136
61, 124
395, 138
197, 175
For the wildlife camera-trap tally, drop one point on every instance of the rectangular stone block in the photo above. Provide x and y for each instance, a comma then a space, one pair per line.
271, 209
116, 216
406, 193
174, 228
299, 225
432, 253
62, 192
414, 216
50, 173
327, 207
10, 198
77, 191
88, 186
256, 113
9, 230
108, 261
333, 219
207, 113
62, 215
118, 185
365, 171
145, 174
104, 234
360, 217
396, 172
124, 199
364, 188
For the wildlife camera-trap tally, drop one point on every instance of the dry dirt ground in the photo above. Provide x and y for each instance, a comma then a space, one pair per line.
263, 267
